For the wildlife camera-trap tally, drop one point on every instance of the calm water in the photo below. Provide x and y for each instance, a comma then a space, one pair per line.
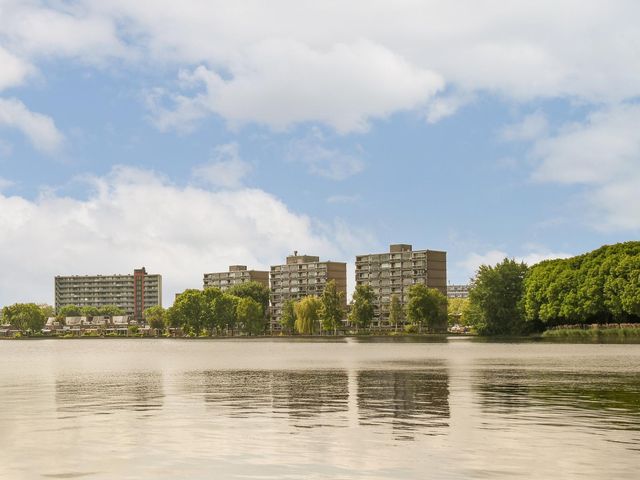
276, 409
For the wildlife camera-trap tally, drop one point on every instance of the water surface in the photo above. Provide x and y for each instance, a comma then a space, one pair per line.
348, 409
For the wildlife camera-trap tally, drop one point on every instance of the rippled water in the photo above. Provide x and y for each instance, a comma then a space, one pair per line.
262, 409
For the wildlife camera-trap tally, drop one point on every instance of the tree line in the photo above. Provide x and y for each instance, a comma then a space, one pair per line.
244, 309
602, 286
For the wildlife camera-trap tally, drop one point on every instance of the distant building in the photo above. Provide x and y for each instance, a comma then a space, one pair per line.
303, 275
458, 291
132, 293
236, 275
394, 272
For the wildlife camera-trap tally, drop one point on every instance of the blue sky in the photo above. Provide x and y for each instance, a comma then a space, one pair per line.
189, 137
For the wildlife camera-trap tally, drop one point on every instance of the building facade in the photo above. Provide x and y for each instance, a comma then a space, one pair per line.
236, 275
394, 272
300, 276
132, 293
458, 291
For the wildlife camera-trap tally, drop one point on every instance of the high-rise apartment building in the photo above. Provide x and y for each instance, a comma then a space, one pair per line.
132, 293
303, 275
236, 275
394, 272
458, 291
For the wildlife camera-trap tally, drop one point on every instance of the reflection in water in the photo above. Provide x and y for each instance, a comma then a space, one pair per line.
562, 398
106, 394
411, 400
408, 400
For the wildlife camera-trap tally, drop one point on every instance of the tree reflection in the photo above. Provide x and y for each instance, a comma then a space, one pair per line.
108, 393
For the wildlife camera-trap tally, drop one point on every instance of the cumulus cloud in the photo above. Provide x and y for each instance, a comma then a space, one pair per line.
469, 266
38, 128
531, 127
226, 169
343, 65
603, 154
134, 217
322, 160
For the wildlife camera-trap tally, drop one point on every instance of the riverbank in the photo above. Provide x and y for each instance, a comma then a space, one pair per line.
607, 333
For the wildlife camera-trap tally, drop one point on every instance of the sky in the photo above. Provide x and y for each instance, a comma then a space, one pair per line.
188, 136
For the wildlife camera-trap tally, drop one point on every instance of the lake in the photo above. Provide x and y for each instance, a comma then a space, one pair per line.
400, 408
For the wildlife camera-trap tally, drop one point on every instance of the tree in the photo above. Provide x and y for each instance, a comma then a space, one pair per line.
89, 311
255, 290
288, 316
496, 298
24, 316
307, 312
47, 310
189, 311
110, 310
250, 316
395, 312
331, 309
223, 310
362, 307
68, 311
427, 307
155, 317
456, 311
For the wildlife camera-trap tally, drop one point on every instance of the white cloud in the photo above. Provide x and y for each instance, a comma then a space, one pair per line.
321, 160
445, 106
38, 128
13, 71
4, 183
226, 169
279, 83
602, 153
134, 217
469, 266
281, 63
531, 127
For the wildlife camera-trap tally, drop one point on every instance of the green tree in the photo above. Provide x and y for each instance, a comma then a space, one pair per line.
307, 312
68, 311
47, 310
189, 311
250, 316
27, 317
496, 298
110, 310
332, 307
288, 316
395, 312
156, 317
223, 309
457, 311
255, 290
89, 311
362, 307
427, 307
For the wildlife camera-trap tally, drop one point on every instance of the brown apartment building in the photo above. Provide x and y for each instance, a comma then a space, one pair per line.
300, 276
132, 293
236, 275
393, 272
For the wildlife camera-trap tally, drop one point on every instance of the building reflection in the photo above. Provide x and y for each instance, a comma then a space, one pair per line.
108, 393
410, 401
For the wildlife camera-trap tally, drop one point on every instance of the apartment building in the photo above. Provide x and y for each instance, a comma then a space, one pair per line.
393, 272
132, 293
300, 276
236, 275
458, 291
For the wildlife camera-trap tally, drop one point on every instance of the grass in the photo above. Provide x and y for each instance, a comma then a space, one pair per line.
614, 333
